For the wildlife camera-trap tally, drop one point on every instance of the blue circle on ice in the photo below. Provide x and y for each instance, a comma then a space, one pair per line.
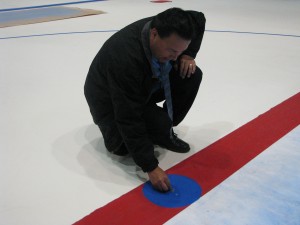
184, 192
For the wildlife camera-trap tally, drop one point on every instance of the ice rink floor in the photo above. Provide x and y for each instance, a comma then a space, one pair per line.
53, 165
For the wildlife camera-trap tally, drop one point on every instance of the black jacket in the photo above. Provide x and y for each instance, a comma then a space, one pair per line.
119, 82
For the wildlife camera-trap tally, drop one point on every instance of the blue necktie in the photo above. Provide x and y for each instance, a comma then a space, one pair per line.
161, 71
165, 69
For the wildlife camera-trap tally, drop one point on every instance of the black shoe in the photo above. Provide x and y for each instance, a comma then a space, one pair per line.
174, 144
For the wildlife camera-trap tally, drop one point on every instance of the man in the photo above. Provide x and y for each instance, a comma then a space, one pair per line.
144, 63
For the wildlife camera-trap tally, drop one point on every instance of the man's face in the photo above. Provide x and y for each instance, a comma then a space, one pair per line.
169, 48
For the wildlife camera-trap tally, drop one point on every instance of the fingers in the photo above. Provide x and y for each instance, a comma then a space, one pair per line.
162, 185
187, 68
159, 180
168, 183
165, 185
191, 70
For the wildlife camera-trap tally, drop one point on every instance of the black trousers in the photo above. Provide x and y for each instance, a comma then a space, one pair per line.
158, 123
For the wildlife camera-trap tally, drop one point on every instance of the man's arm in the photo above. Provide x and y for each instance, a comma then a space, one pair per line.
128, 99
186, 61
198, 20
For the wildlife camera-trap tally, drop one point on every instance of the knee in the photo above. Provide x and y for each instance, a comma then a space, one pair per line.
197, 76
194, 81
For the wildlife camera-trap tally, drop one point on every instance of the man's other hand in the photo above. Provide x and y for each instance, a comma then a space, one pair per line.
187, 66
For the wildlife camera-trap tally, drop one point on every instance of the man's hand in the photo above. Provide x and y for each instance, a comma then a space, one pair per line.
159, 180
187, 66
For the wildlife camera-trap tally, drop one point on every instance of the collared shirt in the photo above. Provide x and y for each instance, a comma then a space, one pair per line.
159, 71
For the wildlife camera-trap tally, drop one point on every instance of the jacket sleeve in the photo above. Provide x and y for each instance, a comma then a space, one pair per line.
199, 21
128, 98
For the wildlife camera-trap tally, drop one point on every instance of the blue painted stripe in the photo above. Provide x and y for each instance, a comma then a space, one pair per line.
108, 31
256, 33
56, 34
50, 5
25, 15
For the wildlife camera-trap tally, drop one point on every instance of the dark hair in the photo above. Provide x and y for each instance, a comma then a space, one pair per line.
173, 20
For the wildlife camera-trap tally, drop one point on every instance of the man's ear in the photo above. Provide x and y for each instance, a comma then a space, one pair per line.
153, 32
